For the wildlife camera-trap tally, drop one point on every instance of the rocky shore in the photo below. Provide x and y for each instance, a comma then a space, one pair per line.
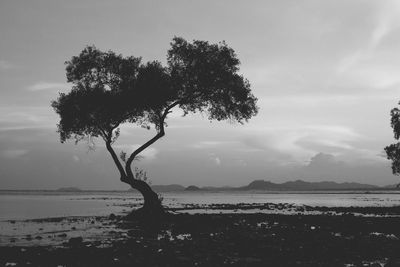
328, 238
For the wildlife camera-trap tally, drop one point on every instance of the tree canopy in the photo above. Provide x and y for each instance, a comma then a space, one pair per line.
109, 90
393, 150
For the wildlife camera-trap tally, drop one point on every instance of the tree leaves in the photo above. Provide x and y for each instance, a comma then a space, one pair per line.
393, 150
109, 89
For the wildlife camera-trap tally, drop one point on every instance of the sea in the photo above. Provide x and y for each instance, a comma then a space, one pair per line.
25, 205
43, 218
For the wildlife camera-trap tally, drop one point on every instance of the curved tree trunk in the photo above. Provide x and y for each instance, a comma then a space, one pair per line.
152, 210
152, 203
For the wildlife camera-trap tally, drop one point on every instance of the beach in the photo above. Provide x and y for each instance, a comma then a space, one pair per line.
246, 231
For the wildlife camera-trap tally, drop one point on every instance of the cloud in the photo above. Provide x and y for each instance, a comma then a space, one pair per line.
322, 159
5, 65
41, 86
387, 20
14, 153
325, 166
300, 142
215, 159
206, 144
240, 162
24, 117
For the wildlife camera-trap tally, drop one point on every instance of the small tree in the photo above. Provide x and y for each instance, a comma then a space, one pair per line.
109, 90
393, 150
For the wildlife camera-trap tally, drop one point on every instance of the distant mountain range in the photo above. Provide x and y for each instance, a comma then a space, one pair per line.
300, 185
261, 185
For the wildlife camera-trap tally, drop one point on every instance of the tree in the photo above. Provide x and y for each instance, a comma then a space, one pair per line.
393, 150
109, 90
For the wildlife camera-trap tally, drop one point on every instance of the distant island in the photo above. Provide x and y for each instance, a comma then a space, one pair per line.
262, 185
300, 185
193, 188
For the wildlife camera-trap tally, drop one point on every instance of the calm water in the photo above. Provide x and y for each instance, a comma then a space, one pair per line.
17, 205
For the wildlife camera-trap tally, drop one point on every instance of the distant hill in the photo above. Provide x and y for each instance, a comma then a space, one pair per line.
223, 188
193, 188
392, 186
300, 185
69, 189
262, 185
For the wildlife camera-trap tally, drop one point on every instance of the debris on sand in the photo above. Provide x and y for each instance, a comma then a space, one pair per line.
227, 239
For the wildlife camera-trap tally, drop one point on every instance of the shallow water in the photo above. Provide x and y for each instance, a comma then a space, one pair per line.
21, 205
22, 212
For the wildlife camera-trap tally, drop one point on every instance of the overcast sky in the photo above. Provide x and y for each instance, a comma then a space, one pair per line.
326, 74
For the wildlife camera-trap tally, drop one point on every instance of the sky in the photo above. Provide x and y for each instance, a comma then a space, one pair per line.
326, 75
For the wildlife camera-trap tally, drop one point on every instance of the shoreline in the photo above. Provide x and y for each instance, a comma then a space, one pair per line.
238, 191
232, 239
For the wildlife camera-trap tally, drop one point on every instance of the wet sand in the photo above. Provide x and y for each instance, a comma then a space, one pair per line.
305, 236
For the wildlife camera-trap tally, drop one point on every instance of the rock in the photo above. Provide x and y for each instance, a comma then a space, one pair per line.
112, 216
75, 241
392, 237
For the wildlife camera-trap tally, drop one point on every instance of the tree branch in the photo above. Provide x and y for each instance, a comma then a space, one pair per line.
104, 134
117, 162
159, 134
107, 136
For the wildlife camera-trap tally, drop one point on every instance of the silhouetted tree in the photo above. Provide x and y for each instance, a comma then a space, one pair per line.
393, 150
109, 90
